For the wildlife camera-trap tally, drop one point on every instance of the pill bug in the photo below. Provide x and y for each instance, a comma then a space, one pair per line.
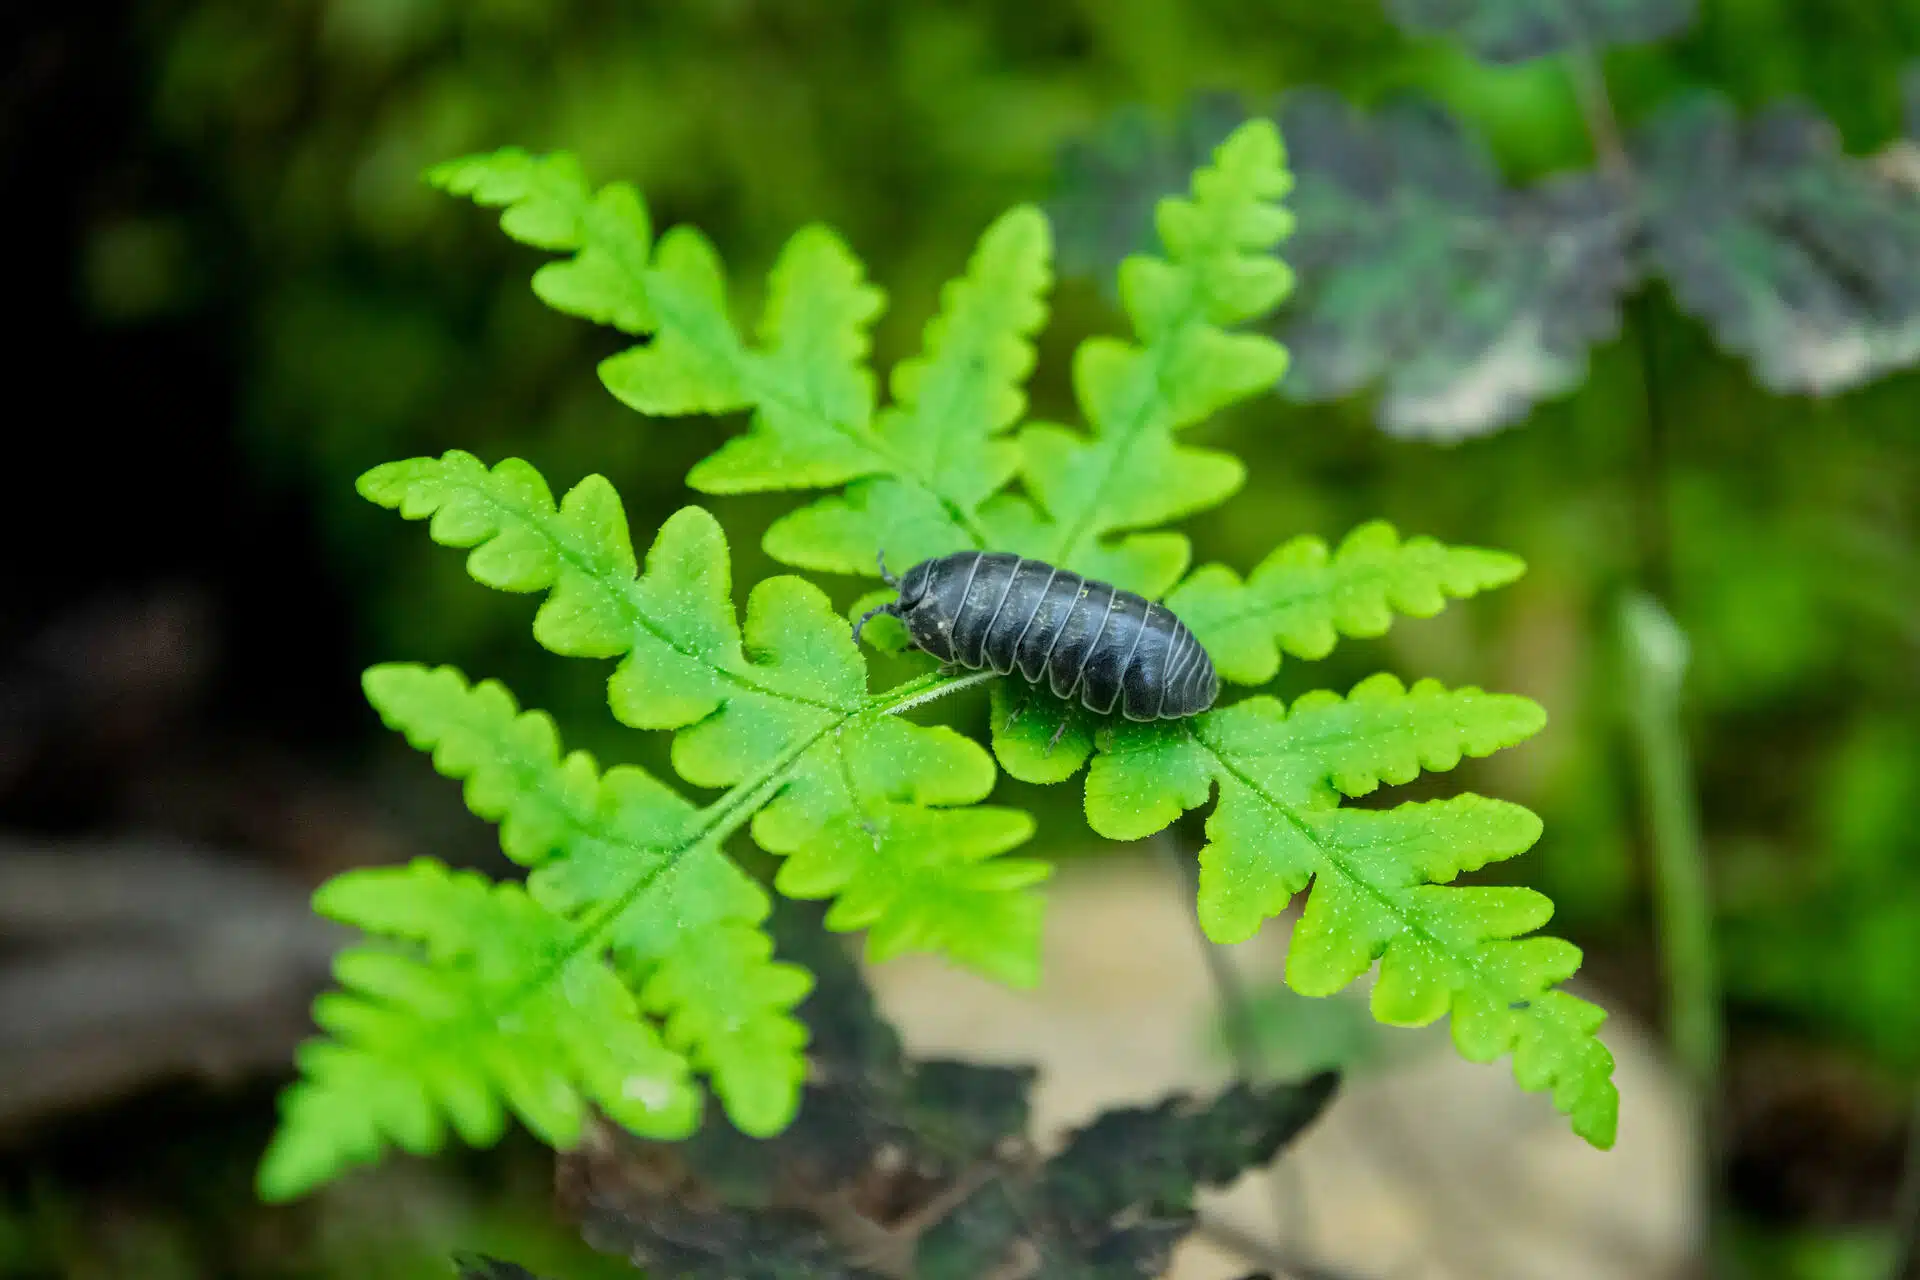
1082, 637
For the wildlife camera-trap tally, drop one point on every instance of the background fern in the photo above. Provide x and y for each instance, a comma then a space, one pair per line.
872, 809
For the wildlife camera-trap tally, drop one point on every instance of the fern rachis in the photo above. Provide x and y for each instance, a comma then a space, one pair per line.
861, 804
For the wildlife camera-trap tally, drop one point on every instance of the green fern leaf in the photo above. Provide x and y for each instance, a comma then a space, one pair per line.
1379, 878
951, 406
1300, 598
880, 814
687, 928
926, 476
444, 1029
871, 809
548, 205
1094, 493
921, 470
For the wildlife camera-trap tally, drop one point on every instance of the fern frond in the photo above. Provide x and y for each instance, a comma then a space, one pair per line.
485, 1003
869, 808
881, 814
951, 406
927, 475
806, 380
1094, 493
634, 865
547, 204
921, 470
1378, 878
1301, 598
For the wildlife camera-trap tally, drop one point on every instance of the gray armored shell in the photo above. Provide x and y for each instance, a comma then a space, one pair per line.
1084, 638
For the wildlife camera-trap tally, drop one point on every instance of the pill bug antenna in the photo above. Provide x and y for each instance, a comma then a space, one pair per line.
891, 607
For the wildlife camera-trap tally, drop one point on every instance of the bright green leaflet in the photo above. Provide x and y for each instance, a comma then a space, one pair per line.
872, 810
1302, 597
493, 1007
628, 858
927, 475
1092, 500
504, 998
1378, 877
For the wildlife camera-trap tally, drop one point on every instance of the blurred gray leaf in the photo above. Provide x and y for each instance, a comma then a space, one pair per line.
1107, 184
1516, 30
897, 1167
1798, 257
1120, 1195
1420, 270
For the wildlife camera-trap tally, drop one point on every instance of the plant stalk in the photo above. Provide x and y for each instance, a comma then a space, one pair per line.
1242, 1031
1655, 653
1596, 111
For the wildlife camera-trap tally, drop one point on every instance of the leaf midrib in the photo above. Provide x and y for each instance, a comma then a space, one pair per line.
1190, 315
553, 529
1343, 867
758, 376
731, 811
1570, 1068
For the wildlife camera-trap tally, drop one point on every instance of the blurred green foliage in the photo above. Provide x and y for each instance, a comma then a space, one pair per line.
399, 1224
379, 322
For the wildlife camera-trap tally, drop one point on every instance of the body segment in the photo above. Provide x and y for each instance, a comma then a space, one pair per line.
1111, 649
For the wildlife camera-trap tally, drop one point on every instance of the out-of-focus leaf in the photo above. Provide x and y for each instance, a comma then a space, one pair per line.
1114, 1202
1152, 1159
680, 1236
899, 1167
1108, 183
1420, 270
1799, 258
963, 1110
1298, 1034
1516, 30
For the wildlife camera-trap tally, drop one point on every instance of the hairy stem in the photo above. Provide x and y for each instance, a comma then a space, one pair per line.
1242, 1031
1656, 656
739, 803
1655, 652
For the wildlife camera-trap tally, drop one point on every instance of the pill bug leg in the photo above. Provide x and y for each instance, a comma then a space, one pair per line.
1018, 709
891, 607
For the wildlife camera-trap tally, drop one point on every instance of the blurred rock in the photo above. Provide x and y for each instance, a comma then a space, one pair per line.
1431, 1170
126, 964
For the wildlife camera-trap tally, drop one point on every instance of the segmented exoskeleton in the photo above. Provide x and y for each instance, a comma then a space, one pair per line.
1084, 638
